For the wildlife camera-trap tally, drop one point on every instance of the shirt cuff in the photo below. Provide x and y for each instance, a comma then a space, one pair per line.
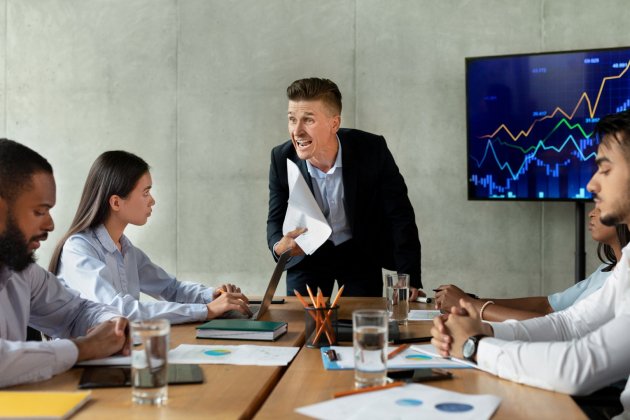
487, 354
199, 311
273, 251
66, 354
207, 294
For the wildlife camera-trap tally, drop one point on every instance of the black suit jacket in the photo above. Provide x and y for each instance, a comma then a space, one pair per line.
377, 206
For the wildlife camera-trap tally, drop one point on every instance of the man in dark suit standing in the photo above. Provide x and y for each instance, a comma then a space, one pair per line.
357, 185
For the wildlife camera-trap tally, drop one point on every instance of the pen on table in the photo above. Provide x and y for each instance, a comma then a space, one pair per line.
423, 299
398, 350
472, 295
368, 389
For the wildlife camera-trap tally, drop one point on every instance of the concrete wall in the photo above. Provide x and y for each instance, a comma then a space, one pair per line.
196, 87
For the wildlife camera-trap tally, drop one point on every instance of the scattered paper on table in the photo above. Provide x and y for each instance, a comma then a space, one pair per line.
422, 314
303, 211
411, 401
429, 350
233, 355
408, 359
108, 361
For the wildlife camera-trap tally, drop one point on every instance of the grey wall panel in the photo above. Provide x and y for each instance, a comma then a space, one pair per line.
97, 77
235, 61
3, 55
410, 86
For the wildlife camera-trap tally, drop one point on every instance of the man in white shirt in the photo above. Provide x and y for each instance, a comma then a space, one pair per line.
31, 296
585, 347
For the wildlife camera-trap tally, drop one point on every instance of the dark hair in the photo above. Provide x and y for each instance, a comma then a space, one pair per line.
606, 253
18, 163
615, 127
316, 89
113, 173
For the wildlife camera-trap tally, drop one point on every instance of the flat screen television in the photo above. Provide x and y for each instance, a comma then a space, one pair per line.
530, 120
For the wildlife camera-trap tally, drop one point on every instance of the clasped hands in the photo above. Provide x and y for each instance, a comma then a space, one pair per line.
452, 329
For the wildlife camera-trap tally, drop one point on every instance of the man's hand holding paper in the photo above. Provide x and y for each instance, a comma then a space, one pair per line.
304, 223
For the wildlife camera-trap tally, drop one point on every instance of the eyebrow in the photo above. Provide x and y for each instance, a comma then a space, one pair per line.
306, 113
601, 160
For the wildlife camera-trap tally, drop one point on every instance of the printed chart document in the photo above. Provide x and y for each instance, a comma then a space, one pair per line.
233, 355
413, 401
303, 211
429, 350
422, 314
408, 359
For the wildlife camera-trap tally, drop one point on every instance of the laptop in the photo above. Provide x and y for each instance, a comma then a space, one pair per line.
259, 310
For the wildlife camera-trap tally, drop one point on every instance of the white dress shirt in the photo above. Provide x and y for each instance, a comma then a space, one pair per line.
576, 351
92, 264
35, 297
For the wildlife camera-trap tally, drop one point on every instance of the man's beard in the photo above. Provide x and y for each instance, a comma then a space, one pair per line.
617, 216
14, 247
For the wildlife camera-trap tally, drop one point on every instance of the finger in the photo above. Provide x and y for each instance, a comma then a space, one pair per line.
468, 307
414, 294
237, 296
120, 327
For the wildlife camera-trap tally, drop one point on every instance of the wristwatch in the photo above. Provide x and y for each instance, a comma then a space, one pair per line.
469, 349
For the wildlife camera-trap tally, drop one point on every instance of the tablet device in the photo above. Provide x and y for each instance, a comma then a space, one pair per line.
420, 375
120, 376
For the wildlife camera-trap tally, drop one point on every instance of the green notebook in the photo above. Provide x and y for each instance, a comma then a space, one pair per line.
241, 329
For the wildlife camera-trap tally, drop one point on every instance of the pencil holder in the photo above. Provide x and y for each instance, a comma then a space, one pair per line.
320, 326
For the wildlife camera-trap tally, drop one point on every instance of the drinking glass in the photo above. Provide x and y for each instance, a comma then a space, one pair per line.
369, 333
149, 361
397, 292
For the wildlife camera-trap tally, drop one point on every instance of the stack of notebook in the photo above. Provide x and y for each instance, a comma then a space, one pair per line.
241, 329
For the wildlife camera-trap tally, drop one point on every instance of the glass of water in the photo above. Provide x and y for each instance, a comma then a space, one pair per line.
397, 292
149, 361
369, 330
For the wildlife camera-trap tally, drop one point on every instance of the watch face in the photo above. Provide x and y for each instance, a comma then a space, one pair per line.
469, 348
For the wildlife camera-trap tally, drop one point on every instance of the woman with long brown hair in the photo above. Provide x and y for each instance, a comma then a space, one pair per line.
95, 257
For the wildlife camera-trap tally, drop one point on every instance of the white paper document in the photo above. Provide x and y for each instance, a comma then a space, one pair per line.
422, 314
233, 355
303, 211
411, 401
108, 361
429, 350
408, 359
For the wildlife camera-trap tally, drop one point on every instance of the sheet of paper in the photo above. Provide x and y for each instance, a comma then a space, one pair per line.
429, 350
422, 314
408, 359
108, 361
413, 401
233, 355
303, 211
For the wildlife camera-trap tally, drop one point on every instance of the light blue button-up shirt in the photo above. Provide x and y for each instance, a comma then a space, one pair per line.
92, 264
35, 297
330, 196
562, 300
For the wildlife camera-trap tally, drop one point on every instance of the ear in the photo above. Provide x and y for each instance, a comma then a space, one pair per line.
336, 122
114, 202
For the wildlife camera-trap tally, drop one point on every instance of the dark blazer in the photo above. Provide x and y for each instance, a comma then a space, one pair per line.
377, 206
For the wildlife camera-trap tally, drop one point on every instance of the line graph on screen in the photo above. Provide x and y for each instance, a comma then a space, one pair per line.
531, 120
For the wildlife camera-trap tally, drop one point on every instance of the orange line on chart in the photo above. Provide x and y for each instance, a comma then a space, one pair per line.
591, 110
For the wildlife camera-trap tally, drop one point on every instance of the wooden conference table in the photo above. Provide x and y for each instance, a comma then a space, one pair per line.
232, 392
